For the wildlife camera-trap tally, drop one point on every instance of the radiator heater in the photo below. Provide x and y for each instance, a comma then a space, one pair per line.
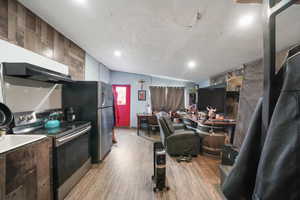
159, 166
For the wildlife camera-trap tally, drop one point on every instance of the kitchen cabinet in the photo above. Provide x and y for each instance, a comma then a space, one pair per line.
2, 175
21, 27
25, 172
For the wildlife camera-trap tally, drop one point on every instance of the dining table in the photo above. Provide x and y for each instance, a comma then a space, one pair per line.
228, 124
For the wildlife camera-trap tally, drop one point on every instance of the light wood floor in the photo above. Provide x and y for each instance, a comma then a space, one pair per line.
126, 174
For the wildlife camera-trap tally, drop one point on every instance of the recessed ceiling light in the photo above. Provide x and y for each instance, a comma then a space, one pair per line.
192, 64
118, 53
246, 20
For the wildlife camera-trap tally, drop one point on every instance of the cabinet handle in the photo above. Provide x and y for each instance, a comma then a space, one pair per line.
68, 138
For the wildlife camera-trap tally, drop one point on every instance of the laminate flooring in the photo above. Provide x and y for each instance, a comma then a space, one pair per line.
126, 172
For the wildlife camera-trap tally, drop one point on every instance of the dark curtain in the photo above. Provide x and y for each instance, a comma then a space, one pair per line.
158, 98
167, 98
175, 98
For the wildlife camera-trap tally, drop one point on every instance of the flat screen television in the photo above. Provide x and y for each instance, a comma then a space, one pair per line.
213, 97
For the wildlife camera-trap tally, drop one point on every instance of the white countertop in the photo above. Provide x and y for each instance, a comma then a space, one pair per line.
10, 142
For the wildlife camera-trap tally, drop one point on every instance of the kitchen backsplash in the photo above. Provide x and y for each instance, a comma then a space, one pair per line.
23, 95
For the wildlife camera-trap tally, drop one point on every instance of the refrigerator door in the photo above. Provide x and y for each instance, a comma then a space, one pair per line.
105, 95
109, 95
84, 97
105, 133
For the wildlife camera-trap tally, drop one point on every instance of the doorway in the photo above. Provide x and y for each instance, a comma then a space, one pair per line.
122, 105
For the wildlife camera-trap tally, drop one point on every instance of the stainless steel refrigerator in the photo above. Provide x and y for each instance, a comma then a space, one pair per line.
92, 101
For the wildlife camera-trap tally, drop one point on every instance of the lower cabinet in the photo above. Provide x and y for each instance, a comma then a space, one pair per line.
27, 172
2, 177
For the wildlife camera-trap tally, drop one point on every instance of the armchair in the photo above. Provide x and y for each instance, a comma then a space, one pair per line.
178, 141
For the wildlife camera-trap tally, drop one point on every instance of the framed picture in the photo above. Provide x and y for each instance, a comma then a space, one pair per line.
142, 95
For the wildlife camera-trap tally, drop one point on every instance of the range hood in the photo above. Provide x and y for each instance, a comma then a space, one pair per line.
29, 71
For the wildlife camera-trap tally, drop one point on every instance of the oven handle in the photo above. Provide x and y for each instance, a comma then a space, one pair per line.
65, 139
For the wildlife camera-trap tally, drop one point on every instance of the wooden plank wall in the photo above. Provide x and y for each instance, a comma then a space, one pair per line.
21, 27
27, 172
251, 91
2, 176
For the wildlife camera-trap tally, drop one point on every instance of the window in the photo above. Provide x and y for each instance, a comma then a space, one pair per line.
121, 91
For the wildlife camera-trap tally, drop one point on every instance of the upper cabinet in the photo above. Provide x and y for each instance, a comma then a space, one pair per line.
21, 27
13, 53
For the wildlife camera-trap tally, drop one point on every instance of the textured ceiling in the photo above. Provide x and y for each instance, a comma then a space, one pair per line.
160, 36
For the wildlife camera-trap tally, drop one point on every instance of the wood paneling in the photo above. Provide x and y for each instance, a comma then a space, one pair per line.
20, 26
25, 172
251, 91
2, 175
126, 174
3, 19
43, 150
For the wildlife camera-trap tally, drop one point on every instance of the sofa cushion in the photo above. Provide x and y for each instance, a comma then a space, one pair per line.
183, 143
169, 124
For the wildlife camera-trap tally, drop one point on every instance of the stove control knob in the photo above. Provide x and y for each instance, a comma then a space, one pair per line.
29, 117
21, 118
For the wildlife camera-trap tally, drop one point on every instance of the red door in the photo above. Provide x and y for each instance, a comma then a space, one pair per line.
122, 105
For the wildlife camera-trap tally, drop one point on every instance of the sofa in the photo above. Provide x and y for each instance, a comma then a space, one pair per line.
177, 139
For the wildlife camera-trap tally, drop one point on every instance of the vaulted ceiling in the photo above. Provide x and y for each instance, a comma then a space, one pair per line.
161, 37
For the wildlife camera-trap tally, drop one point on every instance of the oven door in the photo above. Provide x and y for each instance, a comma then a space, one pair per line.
71, 153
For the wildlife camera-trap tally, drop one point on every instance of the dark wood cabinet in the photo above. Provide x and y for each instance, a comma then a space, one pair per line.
25, 172
20, 26
2, 175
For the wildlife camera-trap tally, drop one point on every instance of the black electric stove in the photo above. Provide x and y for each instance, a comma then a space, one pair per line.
36, 127
71, 150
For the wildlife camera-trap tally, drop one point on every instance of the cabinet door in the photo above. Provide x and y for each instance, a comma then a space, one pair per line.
20, 165
2, 176
43, 169
17, 194
26, 190
28, 172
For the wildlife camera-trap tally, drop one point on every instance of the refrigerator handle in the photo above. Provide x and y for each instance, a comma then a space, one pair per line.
103, 99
